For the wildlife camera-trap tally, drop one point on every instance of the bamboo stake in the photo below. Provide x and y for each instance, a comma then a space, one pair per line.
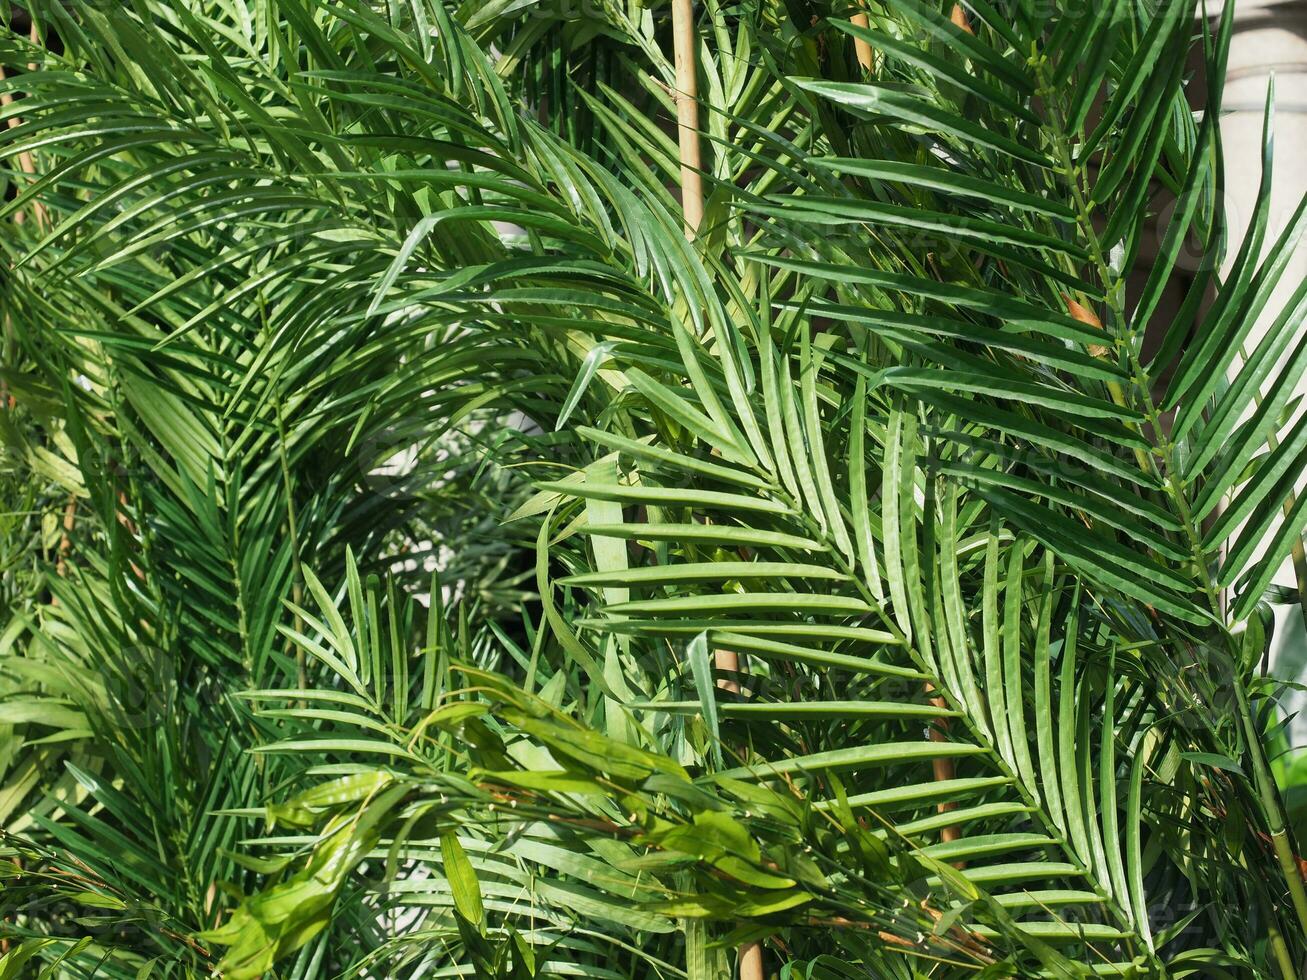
39, 216
28, 166
685, 48
66, 538
750, 961
865, 57
942, 768
960, 19
687, 114
25, 162
727, 663
38, 211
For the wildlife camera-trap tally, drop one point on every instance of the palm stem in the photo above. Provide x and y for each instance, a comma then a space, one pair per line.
1297, 553
1275, 821
1167, 472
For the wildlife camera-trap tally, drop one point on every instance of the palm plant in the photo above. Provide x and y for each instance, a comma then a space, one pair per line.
386, 473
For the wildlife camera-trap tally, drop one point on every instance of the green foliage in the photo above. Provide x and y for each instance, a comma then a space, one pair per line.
311, 300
